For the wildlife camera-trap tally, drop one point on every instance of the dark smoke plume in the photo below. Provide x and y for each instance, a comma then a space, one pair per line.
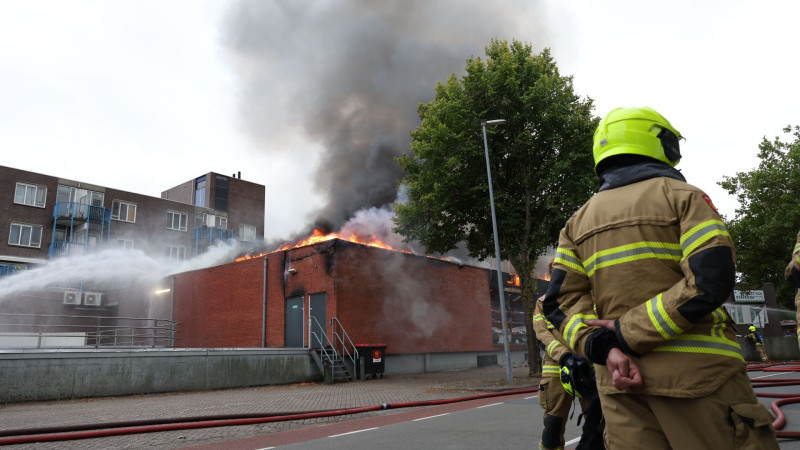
351, 73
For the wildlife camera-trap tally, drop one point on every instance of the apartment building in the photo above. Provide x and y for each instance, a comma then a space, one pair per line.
43, 217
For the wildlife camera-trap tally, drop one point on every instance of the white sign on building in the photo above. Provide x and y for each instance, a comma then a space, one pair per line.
752, 296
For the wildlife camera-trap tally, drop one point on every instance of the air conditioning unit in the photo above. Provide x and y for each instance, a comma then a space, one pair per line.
92, 298
72, 298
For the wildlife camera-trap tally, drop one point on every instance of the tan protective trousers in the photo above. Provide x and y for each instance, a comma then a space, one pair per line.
556, 402
729, 418
762, 352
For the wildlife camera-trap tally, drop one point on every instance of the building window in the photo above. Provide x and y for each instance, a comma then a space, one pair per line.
125, 243
200, 191
210, 220
175, 253
221, 222
77, 195
123, 211
221, 193
177, 221
247, 233
29, 194
25, 235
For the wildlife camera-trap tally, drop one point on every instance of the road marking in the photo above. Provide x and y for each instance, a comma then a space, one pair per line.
493, 404
430, 417
771, 375
353, 432
577, 439
532, 396
265, 448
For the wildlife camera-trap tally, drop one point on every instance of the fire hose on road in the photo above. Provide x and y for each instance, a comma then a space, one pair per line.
73, 432
785, 399
87, 431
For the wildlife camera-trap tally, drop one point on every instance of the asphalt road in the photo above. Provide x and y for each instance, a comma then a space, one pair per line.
512, 422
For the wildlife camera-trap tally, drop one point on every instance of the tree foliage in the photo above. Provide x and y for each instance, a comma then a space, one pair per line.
768, 218
540, 159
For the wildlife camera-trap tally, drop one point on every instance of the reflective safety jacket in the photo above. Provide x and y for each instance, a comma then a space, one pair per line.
551, 340
793, 276
660, 263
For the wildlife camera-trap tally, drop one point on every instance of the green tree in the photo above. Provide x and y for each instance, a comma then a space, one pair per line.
541, 163
766, 223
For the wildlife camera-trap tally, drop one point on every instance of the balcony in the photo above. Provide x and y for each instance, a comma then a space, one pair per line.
79, 228
205, 236
213, 233
67, 212
66, 248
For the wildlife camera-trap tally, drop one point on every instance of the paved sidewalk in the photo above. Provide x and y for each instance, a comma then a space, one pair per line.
267, 399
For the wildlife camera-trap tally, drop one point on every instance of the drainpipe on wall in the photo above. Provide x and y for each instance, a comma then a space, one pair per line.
264, 308
172, 308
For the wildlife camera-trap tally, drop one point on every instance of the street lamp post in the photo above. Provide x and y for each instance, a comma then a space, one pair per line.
484, 124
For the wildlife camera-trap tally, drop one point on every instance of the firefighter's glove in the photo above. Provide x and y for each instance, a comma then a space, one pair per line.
577, 376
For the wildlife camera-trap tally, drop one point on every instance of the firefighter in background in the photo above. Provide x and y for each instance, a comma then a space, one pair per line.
793, 276
554, 396
755, 339
657, 257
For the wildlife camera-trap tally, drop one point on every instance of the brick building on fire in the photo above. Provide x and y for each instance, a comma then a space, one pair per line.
431, 313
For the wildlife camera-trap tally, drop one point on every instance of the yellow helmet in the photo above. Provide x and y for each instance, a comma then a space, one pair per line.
752, 328
636, 131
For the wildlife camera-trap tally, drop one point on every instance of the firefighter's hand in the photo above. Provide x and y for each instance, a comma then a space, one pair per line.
624, 372
609, 324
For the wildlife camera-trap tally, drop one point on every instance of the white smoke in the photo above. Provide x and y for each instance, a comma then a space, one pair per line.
119, 267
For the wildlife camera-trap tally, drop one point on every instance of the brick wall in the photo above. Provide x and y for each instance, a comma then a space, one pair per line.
414, 304
220, 306
24, 214
312, 273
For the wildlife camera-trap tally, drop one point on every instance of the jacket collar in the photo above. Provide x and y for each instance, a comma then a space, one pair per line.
632, 172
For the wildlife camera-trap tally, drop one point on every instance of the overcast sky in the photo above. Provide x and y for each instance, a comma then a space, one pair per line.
142, 95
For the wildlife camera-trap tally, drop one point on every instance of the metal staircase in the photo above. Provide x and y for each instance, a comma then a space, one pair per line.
336, 356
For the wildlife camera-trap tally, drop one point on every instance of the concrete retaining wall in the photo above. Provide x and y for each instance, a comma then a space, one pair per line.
41, 375
443, 362
778, 349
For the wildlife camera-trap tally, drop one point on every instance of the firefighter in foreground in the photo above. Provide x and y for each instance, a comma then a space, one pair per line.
557, 398
656, 256
793, 276
758, 344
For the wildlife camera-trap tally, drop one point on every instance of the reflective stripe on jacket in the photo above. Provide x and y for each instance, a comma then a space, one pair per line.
552, 341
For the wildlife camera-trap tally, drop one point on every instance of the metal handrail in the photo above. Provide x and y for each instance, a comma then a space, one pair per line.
322, 344
90, 331
335, 327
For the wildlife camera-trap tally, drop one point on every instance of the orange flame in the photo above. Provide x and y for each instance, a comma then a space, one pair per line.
318, 236
513, 280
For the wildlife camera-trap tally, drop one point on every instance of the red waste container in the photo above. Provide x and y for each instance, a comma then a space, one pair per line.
372, 359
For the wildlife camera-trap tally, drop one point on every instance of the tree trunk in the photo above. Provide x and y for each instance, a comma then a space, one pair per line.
528, 285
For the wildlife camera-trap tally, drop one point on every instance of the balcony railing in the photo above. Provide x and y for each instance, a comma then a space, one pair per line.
81, 211
65, 248
65, 331
213, 233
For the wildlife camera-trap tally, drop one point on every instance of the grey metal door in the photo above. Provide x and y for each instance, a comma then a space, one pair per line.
319, 324
293, 322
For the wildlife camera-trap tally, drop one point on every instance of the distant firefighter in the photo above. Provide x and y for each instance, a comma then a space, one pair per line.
755, 338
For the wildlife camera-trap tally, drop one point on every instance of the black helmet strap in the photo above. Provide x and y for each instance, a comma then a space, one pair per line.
671, 144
